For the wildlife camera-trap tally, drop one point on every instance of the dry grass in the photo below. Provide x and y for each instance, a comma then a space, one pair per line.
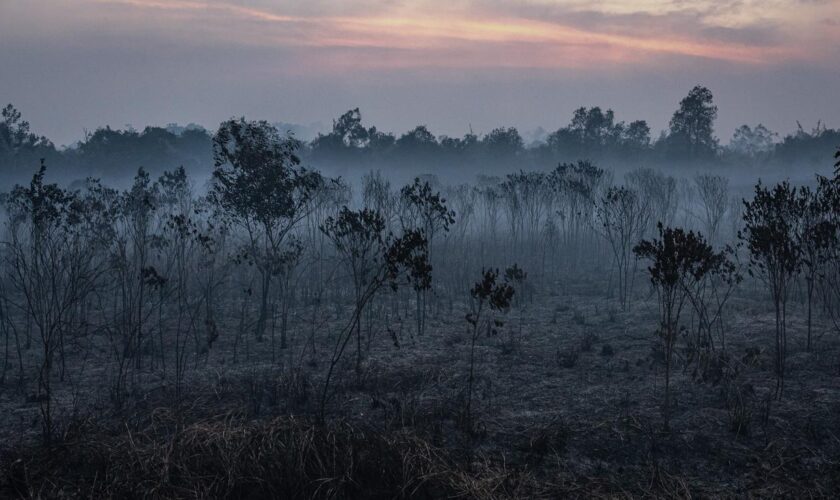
228, 458
231, 457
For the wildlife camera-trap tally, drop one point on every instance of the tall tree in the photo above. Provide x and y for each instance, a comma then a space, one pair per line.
15, 132
771, 225
678, 260
358, 237
623, 215
636, 136
692, 126
425, 209
259, 185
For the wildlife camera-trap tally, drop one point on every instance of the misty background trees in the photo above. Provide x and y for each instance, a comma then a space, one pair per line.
592, 133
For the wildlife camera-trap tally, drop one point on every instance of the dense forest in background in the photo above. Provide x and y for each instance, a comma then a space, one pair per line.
592, 133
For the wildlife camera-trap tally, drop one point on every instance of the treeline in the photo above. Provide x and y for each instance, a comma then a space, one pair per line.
592, 133
105, 152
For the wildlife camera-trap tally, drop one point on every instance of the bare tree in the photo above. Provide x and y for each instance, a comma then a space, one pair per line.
658, 193
713, 192
623, 217
576, 188
828, 196
377, 260
425, 209
814, 238
52, 267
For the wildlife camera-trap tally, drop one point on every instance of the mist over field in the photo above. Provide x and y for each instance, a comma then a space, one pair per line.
381, 249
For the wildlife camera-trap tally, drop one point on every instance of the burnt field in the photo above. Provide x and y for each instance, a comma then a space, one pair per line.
278, 333
570, 404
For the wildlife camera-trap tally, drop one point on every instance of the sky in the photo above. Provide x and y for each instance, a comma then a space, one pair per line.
454, 65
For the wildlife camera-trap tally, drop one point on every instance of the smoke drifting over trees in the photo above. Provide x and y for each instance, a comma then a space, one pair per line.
240, 313
353, 146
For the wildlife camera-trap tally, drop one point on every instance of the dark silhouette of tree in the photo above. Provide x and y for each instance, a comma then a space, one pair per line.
564, 142
678, 259
771, 225
594, 128
349, 129
380, 142
19, 146
259, 185
138, 209
493, 292
814, 239
358, 239
426, 209
636, 136
503, 142
109, 152
417, 142
692, 126
53, 269
347, 133
828, 193
15, 133
593, 132
456, 148
376, 260
806, 146
350, 141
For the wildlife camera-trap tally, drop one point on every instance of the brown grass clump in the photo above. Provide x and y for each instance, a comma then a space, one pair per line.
279, 458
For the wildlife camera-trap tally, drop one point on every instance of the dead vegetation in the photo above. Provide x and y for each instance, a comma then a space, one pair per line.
158, 345
539, 431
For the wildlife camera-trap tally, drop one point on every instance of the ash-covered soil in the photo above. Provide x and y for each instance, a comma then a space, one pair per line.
567, 402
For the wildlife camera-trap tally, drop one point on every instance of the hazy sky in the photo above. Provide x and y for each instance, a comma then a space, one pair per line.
71, 65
